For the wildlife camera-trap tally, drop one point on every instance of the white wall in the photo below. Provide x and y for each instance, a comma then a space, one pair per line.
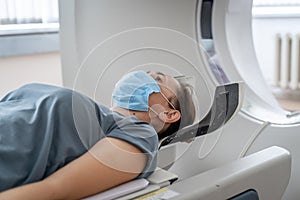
264, 36
264, 33
18, 70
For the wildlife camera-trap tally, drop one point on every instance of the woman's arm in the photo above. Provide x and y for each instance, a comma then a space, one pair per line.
109, 163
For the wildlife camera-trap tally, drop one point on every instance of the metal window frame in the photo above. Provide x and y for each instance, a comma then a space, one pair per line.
16, 40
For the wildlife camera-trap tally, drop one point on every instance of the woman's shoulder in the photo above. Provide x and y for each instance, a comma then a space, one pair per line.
46, 90
42, 88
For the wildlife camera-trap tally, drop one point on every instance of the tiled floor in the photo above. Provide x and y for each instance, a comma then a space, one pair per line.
289, 99
289, 104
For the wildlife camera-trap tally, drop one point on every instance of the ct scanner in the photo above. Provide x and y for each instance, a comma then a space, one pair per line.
210, 42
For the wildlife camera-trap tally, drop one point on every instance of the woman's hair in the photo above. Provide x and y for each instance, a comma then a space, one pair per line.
185, 105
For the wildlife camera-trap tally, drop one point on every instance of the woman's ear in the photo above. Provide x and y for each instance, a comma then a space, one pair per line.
170, 116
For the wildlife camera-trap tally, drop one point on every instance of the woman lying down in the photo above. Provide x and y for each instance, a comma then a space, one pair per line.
58, 144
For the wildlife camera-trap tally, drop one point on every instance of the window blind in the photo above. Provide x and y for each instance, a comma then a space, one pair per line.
28, 11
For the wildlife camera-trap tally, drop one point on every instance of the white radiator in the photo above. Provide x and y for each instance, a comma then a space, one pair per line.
287, 72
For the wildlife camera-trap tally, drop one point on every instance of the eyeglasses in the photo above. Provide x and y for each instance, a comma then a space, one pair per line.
159, 80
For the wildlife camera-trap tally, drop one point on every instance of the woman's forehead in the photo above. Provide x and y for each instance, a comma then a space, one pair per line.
166, 80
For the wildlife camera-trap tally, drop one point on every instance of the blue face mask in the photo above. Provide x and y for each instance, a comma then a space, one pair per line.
132, 91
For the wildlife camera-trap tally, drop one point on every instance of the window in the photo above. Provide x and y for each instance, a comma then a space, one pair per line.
28, 11
276, 8
276, 3
28, 26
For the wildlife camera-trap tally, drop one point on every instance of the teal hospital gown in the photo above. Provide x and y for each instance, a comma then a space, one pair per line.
43, 128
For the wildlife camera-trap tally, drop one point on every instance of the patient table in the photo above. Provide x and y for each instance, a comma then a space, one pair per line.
263, 175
